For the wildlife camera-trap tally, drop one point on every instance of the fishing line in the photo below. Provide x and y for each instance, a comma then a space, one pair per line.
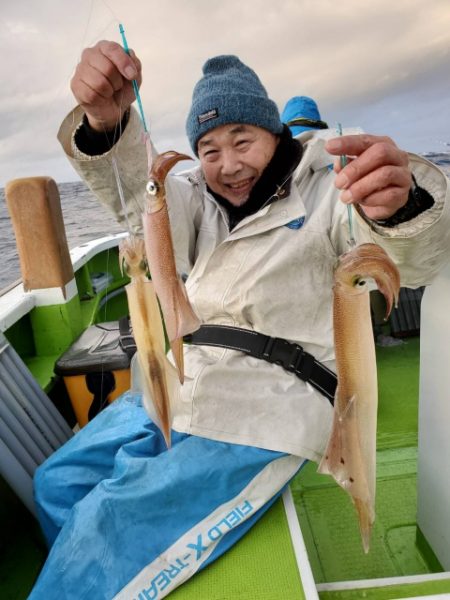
110, 10
106, 298
134, 82
86, 29
344, 162
114, 163
146, 137
118, 128
118, 133
120, 190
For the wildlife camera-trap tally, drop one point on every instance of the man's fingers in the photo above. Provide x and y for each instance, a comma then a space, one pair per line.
95, 75
354, 145
88, 96
338, 166
376, 156
379, 209
102, 83
138, 65
101, 65
119, 58
383, 184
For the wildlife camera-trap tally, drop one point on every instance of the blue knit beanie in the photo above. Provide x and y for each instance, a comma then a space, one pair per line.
229, 92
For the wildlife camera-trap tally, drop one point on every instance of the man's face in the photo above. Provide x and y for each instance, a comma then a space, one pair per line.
233, 158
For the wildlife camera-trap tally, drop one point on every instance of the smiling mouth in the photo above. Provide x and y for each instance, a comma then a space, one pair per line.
240, 185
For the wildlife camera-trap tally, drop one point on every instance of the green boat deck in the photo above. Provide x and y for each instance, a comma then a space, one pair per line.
263, 565
327, 517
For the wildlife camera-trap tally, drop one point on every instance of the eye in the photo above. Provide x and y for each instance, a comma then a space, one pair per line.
152, 187
209, 155
242, 143
359, 281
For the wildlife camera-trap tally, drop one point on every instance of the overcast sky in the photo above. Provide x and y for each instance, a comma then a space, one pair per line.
381, 64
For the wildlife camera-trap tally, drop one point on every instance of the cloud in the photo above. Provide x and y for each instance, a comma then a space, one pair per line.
385, 54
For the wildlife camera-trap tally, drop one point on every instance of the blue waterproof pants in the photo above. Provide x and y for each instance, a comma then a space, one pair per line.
127, 518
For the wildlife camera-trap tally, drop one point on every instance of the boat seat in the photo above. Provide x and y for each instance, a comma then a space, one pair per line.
31, 428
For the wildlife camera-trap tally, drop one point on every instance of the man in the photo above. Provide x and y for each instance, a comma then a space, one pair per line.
257, 227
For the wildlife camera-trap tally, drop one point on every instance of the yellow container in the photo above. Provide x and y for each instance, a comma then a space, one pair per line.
82, 398
95, 370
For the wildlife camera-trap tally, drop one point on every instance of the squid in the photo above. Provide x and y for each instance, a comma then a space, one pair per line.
179, 317
164, 293
159, 377
350, 454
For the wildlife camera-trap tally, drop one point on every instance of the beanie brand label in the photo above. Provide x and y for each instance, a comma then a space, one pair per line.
207, 116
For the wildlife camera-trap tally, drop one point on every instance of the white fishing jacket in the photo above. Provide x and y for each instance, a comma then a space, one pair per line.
273, 274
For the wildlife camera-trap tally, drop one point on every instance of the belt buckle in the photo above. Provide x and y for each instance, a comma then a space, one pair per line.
283, 353
127, 342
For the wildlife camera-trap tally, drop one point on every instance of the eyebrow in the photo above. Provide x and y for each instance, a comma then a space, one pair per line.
204, 142
238, 129
208, 141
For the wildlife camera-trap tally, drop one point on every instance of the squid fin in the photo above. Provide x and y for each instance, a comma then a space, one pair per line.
179, 322
343, 460
182, 320
155, 377
177, 351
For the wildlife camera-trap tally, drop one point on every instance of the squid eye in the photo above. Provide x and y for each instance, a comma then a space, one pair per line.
358, 281
152, 188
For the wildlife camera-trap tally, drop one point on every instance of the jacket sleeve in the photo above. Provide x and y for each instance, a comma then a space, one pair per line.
129, 157
98, 171
421, 246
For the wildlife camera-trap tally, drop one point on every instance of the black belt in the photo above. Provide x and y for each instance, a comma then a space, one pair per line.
290, 356
126, 338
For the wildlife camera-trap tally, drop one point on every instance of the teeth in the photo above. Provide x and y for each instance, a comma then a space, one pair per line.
241, 184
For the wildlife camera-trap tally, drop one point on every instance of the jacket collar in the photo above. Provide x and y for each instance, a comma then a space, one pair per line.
276, 214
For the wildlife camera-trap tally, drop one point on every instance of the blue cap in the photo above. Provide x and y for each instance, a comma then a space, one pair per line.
304, 109
229, 92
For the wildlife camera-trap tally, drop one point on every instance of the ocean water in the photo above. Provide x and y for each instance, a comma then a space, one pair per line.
85, 220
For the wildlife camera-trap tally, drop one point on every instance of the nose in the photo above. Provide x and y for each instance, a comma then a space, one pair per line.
231, 162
